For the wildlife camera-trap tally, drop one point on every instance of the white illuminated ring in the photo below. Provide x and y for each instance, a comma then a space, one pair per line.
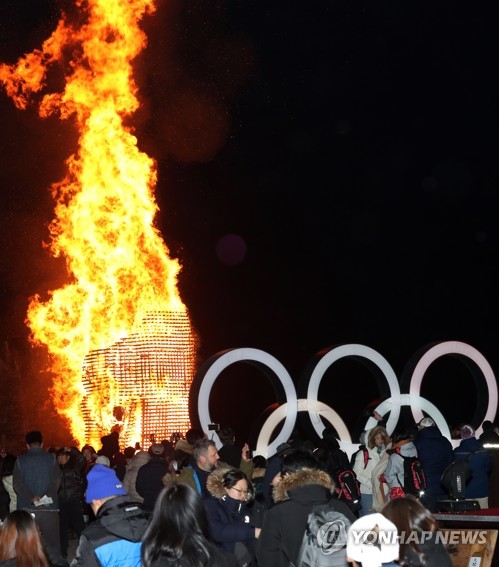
463, 349
246, 355
355, 350
319, 410
418, 402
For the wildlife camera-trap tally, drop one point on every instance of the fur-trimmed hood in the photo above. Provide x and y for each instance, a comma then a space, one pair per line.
182, 445
299, 479
214, 482
379, 429
140, 458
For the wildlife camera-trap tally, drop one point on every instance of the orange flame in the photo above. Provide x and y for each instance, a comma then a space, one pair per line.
118, 265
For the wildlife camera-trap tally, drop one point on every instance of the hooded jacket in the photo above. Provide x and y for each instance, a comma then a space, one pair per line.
364, 470
394, 472
481, 466
149, 482
132, 469
71, 488
230, 520
285, 523
114, 538
436, 453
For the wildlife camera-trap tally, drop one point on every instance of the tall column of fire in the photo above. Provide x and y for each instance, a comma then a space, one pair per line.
121, 346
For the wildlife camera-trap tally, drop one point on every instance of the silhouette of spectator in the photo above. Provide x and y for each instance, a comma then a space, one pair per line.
490, 441
489, 438
149, 476
110, 445
229, 452
436, 454
259, 468
273, 470
37, 475
471, 450
70, 498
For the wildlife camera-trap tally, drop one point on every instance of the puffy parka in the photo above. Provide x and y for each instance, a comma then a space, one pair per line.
114, 538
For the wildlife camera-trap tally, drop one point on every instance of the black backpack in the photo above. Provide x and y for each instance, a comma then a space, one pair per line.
414, 476
325, 538
348, 488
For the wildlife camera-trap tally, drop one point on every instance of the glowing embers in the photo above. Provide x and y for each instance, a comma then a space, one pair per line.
141, 383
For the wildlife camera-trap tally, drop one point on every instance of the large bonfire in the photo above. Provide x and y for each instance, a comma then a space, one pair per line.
119, 269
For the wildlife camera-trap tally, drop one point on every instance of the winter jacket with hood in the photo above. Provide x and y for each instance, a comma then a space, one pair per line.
132, 469
114, 538
394, 472
149, 482
71, 489
230, 520
436, 453
481, 466
364, 469
285, 523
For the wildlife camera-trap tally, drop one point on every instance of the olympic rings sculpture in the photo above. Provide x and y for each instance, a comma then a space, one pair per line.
289, 404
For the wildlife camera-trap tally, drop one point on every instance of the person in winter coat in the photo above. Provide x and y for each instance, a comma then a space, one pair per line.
436, 454
36, 475
149, 476
179, 533
90, 455
366, 459
204, 460
470, 449
229, 515
394, 472
303, 484
417, 528
257, 477
330, 454
113, 539
70, 498
132, 469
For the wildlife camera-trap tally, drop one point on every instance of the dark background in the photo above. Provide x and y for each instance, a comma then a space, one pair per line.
327, 174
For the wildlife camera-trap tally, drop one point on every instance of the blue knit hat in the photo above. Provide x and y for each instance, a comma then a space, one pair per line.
102, 483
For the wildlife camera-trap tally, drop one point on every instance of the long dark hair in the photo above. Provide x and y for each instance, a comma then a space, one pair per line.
409, 515
179, 530
20, 539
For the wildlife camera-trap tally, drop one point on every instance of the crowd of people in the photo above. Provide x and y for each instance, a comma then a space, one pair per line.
185, 502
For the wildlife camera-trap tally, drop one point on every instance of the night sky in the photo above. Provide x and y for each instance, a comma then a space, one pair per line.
328, 174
